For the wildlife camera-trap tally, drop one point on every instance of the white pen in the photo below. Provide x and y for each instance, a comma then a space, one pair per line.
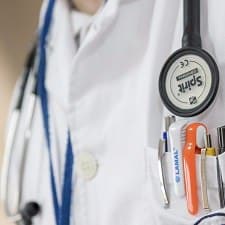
177, 141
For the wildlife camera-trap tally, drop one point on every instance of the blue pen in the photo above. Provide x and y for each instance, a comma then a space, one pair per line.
168, 121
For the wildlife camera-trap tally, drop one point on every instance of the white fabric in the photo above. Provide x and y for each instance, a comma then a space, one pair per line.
107, 94
79, 20
81, 23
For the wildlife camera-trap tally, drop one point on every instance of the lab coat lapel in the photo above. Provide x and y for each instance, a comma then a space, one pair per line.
61, 50
62, 54
63, 59
101, 21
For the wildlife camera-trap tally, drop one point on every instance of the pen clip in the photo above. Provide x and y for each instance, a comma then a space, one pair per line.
205, 200
162, 174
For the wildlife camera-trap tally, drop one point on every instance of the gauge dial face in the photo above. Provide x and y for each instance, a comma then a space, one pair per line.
188, 81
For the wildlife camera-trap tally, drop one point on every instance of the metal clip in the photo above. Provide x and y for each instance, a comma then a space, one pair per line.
162, 174
205, 200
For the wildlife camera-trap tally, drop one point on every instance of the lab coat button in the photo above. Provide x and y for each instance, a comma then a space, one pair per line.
87, 166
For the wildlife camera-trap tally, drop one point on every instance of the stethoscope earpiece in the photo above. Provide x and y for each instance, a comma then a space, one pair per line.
189, 82
25, 215
30, 210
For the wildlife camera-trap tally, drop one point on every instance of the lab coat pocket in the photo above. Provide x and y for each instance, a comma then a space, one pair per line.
217, 214
177, 213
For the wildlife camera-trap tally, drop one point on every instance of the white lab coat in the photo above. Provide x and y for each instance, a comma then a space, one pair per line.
106, 93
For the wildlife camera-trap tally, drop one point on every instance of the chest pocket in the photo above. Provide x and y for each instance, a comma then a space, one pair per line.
177, 213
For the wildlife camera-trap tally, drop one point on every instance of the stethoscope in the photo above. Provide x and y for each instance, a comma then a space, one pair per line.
34, 81
36, 71
189, 79
188, 85
14, 211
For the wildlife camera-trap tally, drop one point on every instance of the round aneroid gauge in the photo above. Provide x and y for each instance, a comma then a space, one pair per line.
189, 82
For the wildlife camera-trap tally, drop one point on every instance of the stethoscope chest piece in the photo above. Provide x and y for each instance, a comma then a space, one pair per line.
189, 82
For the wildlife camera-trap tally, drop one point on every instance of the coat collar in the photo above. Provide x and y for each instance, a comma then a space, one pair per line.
61, 47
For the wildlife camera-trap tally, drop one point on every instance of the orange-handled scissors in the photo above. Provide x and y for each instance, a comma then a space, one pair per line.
195, 133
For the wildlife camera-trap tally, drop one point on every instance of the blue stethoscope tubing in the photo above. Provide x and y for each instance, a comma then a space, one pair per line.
61, 211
